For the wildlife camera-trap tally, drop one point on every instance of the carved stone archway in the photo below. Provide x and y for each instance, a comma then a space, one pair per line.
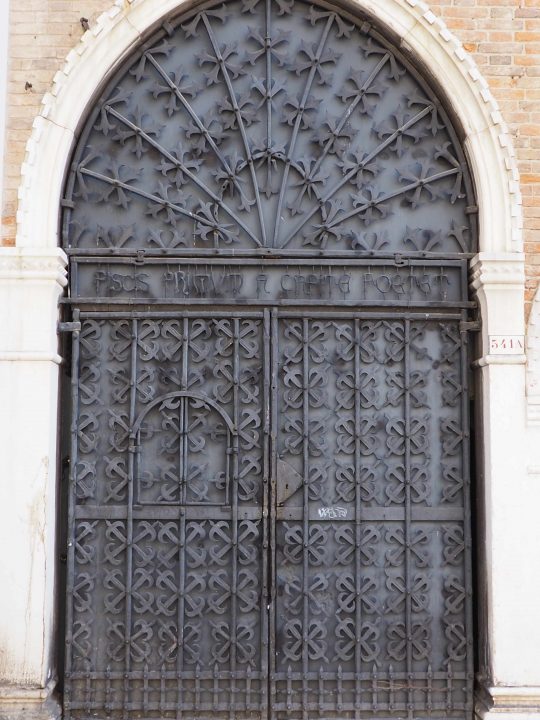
34, 270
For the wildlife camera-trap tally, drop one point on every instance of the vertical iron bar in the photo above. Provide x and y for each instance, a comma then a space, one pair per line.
265, 599
321, 691
71, 514
145, 688
273, 501
239, 120
234, 519
268, 40
305, 529
407, 528
129, 520
108, 691
296, 129
184, 417
183, 470
357, 522
466, 470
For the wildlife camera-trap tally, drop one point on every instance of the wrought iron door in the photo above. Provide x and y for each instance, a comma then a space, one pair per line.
268, 217
299, 545
372, 582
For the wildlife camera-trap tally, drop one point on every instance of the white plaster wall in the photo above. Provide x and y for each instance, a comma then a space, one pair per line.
30, 285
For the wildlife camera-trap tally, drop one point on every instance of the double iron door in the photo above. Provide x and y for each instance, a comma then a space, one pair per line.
269, 516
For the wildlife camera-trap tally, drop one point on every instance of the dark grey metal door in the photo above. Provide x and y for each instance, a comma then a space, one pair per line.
372, 581
273, 516
168, 614
268, 218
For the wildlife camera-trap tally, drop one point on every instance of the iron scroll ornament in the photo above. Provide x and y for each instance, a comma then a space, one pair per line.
258, 125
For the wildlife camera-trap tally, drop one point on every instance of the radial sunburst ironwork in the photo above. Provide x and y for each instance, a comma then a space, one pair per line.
269, 125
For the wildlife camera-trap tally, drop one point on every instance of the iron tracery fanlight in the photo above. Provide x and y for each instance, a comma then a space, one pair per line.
259, 204
252, 125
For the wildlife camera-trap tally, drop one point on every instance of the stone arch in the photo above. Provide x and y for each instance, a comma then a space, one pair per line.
497, 269
416, 29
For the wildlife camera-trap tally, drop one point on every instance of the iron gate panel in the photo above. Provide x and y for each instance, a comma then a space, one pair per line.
365, 564
372, 586
167, 608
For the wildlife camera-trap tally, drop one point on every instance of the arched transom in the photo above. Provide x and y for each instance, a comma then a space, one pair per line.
269, 124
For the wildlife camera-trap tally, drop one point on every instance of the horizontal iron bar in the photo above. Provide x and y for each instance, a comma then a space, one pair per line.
69, 326
473, 326
368, 315
314, 314
376, 514
314, 675
232, 302
414, 261
381, 675
153, 675
420, 709
265, 253
161, 707
165, 512
167, 314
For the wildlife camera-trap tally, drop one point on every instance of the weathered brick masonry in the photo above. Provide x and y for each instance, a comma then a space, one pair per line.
503, 36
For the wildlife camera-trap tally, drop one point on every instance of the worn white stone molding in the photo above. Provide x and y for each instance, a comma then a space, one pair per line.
31, 281
510, 576
498, 280
533, 362
514, 703
27, 702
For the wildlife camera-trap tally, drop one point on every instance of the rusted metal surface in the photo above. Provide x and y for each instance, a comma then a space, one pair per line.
268, 219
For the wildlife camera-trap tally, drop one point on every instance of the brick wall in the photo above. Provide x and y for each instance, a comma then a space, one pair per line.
42, 33
502, 35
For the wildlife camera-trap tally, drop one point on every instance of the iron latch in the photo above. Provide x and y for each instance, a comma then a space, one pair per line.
400, 261
69, 327
470, 326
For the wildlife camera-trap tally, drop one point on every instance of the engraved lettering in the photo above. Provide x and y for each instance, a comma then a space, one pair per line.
117, 283
284, 280
397, 284
99, 277
383, 284
424, 284
232, 283
344, 284
262, 289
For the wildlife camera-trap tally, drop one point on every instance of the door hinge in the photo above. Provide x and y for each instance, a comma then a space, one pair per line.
470, 326
69, 327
